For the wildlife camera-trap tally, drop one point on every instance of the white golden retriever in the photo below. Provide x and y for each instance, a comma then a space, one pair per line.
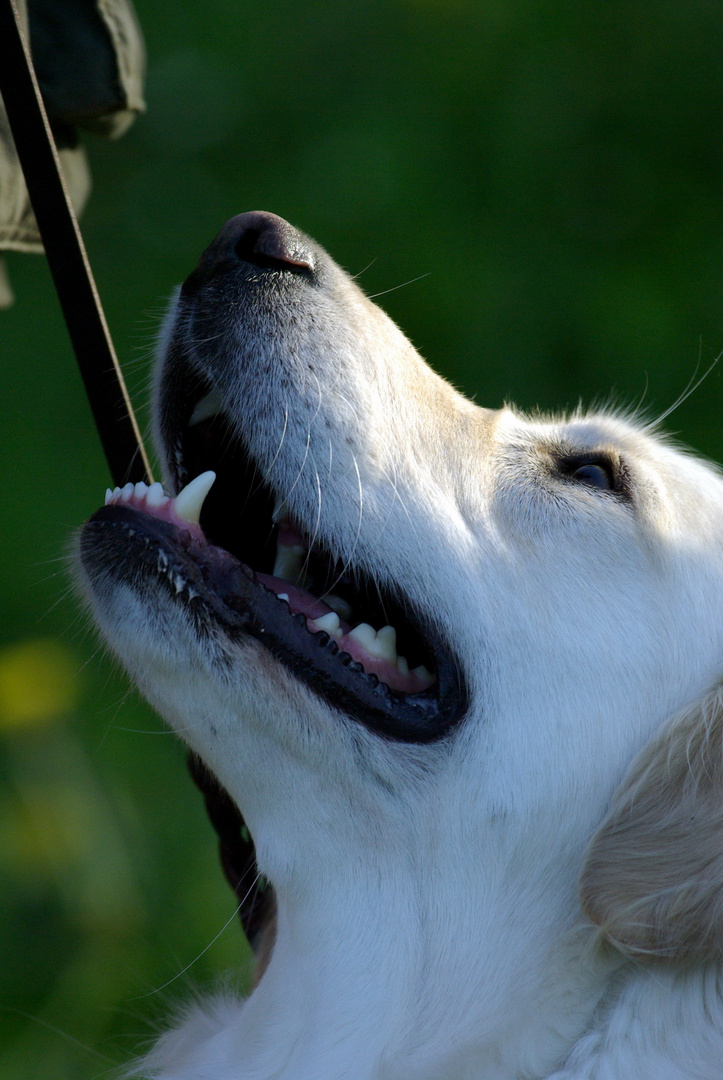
460, 671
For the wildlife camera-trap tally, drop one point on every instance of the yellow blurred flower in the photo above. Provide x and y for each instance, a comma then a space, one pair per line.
38, 683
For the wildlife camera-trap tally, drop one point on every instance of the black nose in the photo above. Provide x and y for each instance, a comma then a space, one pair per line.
259, 238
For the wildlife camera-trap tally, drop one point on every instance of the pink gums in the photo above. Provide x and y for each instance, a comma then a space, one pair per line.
312, 608
299, 599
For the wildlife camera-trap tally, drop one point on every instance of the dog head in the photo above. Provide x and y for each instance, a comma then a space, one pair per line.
537, 598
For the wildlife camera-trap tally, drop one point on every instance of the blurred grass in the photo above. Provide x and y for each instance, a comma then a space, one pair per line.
553, 170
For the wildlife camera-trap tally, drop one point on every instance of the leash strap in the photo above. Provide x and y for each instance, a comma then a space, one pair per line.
105, 387
67, 258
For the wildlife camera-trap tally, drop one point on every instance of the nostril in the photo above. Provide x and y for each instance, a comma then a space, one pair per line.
257, 239
269, 242
245, 246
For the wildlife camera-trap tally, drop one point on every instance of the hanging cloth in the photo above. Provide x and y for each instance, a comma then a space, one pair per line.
89, 58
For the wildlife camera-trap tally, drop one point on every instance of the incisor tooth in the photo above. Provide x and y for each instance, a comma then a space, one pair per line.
127, 492
188, 502
155, 495
402, 665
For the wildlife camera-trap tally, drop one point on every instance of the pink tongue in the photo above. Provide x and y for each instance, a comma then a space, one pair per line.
302, 601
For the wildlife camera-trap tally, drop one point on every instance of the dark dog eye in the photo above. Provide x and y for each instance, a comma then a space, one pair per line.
594, 470
594, 475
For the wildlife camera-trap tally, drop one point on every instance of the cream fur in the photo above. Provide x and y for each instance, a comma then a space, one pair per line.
429, 918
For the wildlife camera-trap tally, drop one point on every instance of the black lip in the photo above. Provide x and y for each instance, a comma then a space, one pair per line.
133, 546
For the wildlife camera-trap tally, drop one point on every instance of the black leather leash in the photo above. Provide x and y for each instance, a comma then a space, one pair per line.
105, 387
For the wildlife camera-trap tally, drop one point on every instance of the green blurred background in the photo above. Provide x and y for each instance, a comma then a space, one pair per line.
543, 177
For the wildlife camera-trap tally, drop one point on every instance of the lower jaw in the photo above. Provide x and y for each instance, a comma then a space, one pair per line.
318, 614
243, 604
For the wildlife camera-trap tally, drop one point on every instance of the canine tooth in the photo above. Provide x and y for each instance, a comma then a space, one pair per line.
188, 502
329, 623
387, 643
402, 665
289, 563
338, 605
208, 406
155, 495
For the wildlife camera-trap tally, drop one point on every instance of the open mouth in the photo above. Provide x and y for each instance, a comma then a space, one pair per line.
226, 542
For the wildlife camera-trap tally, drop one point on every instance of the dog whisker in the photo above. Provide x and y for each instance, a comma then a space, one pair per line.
403, 285
694, 383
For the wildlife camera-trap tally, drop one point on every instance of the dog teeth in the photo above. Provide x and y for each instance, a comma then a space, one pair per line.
387, 641
289, 563
366, 635
186, 505
343, 610
381, 645
330, 623
189, 501
155, 495
424, 675
209, 406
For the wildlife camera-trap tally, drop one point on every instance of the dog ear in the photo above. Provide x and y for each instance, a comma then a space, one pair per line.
652, 879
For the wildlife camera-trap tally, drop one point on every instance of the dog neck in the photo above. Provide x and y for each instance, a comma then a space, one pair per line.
428, 990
